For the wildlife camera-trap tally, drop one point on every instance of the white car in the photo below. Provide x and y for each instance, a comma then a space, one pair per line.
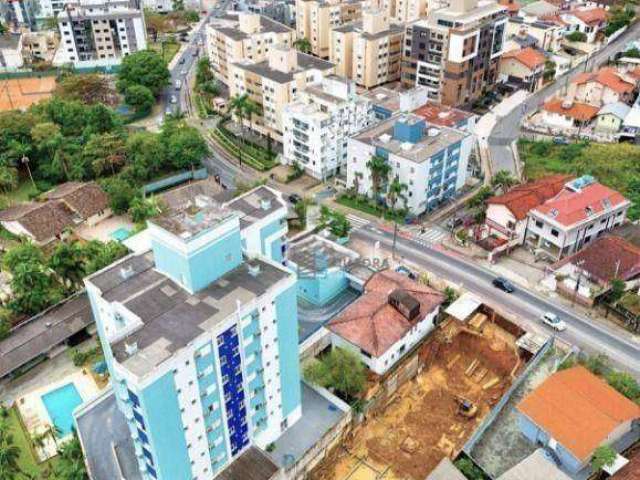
174, 99
553, 321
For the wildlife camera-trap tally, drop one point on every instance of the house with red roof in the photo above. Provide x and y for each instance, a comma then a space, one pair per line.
581, 212
506, 214
589, 21
393, 315
572, 413
602, 87
523, 67
562, 113
587, 274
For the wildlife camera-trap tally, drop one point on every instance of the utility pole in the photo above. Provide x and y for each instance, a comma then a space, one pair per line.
25, 162
575, 293
395, 237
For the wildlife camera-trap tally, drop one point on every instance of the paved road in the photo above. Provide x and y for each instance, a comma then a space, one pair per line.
526, 307
507, 128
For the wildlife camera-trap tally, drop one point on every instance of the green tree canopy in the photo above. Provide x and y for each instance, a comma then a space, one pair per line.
139, 97
87, 88
146, 68
604, 456
339, 370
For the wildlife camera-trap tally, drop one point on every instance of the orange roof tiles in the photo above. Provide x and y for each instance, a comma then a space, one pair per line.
442, 115
521, 199
592, 16
609, 77
371, 323
578, 409
570, 207
578, 111
529, 57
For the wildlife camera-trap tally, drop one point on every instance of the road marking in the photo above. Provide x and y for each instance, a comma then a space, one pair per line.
357, 222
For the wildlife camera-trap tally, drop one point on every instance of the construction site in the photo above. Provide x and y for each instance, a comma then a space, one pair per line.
461, 372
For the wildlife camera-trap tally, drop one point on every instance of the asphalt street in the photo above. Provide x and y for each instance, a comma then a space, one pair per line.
524, 306
507, 128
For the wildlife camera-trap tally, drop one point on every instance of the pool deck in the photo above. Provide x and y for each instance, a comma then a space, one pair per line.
103, 230
35, 415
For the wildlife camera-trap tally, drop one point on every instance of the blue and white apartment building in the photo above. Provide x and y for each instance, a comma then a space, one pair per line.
198, 335
432, 161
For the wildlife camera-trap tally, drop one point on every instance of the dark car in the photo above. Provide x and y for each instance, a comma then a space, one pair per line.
294, 198
503, 284
401, 269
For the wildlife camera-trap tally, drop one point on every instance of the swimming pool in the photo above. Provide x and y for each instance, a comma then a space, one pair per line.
120, 234
60, 404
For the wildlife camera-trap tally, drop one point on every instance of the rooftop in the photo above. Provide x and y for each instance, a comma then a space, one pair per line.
305, 62
10, 41
256, 204
374, 325
536, 466
170, 316
85, 198
43, 220
253, 464
181, 197
314, 254
619, 109
578, 409
529, 57
482, 10
198, 217
591, 16
608, 77
540, 9
357, 28
443, 115
432, 141
579, 111
229, 25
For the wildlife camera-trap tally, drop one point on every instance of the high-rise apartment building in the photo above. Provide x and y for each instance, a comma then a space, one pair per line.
318, 125
28, 13
368, 51
402, 11
316, 18
99, 32
198, 337
274, 83
243, 36
455, 52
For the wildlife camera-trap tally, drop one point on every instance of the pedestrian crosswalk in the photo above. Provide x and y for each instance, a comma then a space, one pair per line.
430, 236
357, 222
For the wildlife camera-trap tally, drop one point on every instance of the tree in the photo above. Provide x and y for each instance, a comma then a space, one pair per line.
238, 106
9, 453
120, 192
302, 45
576, 37
20, 254
71, 461
469, 469
106, 153
67, 260
504, 180
624, 383
98, 255
204, 73
185, 146
395, 192
140, 98
632, 53
146, 68
143, 208
339, 370
604, 456
33, 288
616, 291
379, 169
597, 364
8, 178
147, 154
450, 296
89, 88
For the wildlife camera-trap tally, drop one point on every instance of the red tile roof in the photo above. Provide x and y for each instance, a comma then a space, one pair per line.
529, 57
570, 207
607, 258
578, 409
609, 77
442, 115
371, 323
592, 16
578, 111
43, 220
512, 5
87, 199
521, 199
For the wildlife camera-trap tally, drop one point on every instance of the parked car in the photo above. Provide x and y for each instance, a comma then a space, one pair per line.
294, 198
503, 284
553, 321
454, 222
401, 269
560, 141
174, 99
182, 60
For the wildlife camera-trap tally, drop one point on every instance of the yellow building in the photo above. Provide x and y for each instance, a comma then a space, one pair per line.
274, 83
368, 52
316, 18
243, 36
402, 11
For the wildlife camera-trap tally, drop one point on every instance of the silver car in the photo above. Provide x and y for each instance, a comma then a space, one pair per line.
553, 321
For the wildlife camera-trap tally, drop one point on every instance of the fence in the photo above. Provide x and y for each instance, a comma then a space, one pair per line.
489, 419
176, 179
8, 75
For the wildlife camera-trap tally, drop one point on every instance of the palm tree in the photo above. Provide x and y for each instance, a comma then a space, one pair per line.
71, 464
67, 260
238, 106
504, 180
251, 108
396, 192
9, 453
302, 45
379, 169
357, 176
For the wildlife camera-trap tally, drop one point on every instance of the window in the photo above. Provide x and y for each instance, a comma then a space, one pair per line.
554, 232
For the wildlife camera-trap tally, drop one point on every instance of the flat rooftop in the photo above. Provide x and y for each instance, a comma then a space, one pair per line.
229, 25
253, 464
305, 62
196, 218
434, 140
315, 254
256, 205
172, 317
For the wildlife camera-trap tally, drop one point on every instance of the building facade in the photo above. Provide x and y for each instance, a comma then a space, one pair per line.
430, 161
243, 36
275, 83
368, 51
318, 125
30, 13
455, 52
316, 18
99, 33
197, 337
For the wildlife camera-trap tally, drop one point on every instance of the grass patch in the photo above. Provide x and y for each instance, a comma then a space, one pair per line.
252, 155
21, 194
27, 461
367, 207
631, 302
170, 49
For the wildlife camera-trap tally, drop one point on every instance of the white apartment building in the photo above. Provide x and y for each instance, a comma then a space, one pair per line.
581, 212
99, 33
318, 125
431, 161
11, 51
27, 13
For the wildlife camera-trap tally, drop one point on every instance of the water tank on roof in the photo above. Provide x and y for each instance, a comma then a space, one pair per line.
404, 303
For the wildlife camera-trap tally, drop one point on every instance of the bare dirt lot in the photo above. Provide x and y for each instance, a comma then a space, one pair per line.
423, 422
20, 93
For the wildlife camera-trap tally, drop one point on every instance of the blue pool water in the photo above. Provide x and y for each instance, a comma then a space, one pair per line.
60, 404
120, 234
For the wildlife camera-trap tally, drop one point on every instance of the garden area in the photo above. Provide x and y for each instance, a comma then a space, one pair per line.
245, 151
614, 165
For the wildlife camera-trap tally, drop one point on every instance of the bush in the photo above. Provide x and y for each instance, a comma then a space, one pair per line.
339, 370
576, 37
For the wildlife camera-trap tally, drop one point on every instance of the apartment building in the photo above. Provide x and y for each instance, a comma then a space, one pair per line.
387, 101
318, 125
11, 51
274, 83
403, 11
368, 51
581, 212
28, 13
243, 36
455, 52
198, 340
316, 18
430, 161
99, 32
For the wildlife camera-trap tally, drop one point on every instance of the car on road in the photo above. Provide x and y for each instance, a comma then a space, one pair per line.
454, 222
178, 84
553, 321
174, 99
503, 284
182, 60
294, 198
184, 73
402, 270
